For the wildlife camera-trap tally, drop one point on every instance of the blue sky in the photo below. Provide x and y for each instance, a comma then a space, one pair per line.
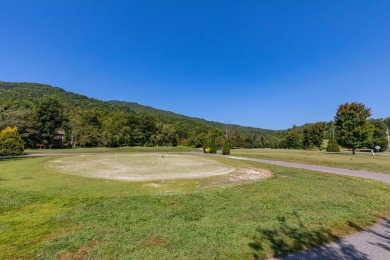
268, 64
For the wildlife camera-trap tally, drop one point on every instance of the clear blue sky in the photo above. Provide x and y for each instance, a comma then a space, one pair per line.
269, 64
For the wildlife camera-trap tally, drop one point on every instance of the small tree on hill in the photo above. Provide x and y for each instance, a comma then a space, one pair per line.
11, 142
225, 148
213, 146
333, 146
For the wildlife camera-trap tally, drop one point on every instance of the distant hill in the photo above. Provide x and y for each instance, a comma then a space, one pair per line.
27, 95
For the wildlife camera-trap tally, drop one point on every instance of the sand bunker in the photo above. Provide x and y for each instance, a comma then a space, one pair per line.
140, 166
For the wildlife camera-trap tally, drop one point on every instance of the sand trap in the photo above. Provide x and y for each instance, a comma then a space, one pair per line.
140, 166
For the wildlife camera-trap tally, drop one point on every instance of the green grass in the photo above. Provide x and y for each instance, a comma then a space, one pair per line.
360, 161
48, 215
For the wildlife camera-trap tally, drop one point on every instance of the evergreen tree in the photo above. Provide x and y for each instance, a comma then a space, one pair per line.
225, 148
213, 146
11, 142
333, 146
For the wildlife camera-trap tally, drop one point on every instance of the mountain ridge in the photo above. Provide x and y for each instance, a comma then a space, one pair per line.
29, 93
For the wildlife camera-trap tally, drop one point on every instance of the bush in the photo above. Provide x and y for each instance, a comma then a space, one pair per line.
205, 145
225, 148
11, 142
333, 146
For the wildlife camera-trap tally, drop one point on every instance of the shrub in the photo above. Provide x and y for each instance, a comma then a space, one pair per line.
333, 146
11, 142
213, 146
225, 148
205, 144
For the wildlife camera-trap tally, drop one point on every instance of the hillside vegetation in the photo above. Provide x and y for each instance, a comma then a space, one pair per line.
91, 122
41, 111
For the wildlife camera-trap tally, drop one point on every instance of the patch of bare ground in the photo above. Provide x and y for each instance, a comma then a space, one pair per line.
155, 242
243, 175
81, 253
139, 167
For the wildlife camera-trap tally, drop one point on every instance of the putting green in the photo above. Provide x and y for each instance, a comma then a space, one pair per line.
140, 166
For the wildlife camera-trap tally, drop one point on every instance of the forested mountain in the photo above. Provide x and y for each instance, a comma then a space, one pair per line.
47, 116
19, 103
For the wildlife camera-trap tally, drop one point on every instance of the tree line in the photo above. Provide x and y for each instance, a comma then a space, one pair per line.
50, 122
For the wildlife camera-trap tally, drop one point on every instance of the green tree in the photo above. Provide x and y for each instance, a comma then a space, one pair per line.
313, 135
333, 146
169, 135
352, 128
11, 142
215, 132
387, 122
294, 140
237, 140
213, 146
49, 117
225, 148
116, 129
379, 136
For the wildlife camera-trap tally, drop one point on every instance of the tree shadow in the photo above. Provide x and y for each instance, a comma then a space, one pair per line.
292, 235
12, 158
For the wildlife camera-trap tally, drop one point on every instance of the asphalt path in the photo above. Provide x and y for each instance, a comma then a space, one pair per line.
362, 174
371, 243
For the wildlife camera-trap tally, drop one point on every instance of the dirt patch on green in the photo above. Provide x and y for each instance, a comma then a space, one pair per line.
140, 166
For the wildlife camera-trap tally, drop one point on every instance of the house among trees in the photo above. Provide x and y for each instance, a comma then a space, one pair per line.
59, 136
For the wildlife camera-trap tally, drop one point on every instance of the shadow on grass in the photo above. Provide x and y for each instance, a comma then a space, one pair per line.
292, 235
13, 158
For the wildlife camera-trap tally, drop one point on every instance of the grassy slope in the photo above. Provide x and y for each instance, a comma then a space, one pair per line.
366, 161
47, 215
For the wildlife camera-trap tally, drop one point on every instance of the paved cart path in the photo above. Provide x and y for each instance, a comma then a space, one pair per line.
371, 243
363, 174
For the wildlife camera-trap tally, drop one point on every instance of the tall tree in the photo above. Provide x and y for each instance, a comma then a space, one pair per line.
116, 129
294, 140
387, 122
313, 135
237, 140
226, 148
379, 136
213, 146
352, 128
49, 117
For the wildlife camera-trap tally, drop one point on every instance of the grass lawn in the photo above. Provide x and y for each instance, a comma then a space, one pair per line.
45, 214
360, 161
